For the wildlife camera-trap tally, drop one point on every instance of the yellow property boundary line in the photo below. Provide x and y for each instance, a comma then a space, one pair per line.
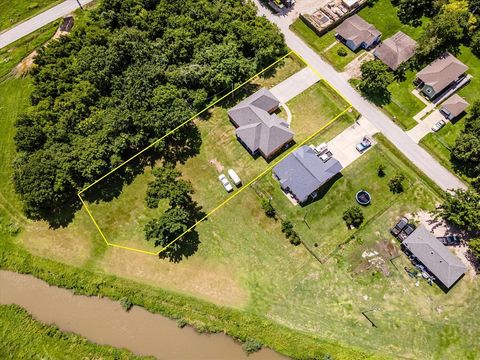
240, 189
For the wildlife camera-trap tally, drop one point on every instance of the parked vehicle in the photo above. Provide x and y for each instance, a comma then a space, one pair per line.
226, 184
399, 226
235, 178
406, 231
363, 145
450, 240
438, 125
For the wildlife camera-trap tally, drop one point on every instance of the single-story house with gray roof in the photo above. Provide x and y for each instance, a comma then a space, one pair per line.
440, 74
396, 50
258, 128
444, 265
357, 33
302, 173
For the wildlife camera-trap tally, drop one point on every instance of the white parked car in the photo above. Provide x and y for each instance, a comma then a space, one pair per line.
438, 125
235, 178
226, 184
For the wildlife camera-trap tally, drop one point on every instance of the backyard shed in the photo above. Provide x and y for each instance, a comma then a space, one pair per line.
302, 173
444, 265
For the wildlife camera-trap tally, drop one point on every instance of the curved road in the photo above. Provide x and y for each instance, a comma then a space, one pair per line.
415, 153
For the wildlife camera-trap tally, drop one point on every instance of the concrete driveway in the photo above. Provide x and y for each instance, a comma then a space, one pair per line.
343, 145
425, 126
295, 85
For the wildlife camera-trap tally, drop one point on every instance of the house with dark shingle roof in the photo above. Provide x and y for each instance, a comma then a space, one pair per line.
454, 106
436, 257
396, 50
258, 128
440, 74
302, 173
357, 33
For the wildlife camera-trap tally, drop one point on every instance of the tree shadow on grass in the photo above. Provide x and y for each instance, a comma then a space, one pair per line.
324, 189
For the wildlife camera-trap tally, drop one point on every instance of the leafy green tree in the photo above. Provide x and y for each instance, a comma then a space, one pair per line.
474, 246
465, 153
353, 216
462, 208
168, 227
268, 208
168, 185
381, 170
396, 184
374, 82
411, 11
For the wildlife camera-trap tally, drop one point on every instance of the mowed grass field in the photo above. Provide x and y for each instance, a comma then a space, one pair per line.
13, 12
245, 262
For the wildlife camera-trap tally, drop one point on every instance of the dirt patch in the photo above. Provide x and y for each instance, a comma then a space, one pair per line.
352, 70
378, 257
217, 164
24, 66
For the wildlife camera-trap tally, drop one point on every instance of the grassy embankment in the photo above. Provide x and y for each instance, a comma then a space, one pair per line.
247, 280
12, 12
23, 337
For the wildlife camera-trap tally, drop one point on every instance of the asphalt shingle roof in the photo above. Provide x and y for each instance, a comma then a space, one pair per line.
455, 105
303, 172
442, 72
396, 50
435, 256
257, 127
357, 30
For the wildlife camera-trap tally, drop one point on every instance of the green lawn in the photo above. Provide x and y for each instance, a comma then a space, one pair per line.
404, 105
23, 337
383, 15
321, 43
12, 12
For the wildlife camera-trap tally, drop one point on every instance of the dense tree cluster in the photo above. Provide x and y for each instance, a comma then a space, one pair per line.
466, 151
411, 11
174, 222
462, 208
136, 70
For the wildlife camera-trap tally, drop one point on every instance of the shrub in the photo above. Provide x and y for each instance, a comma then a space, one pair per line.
290, 234
342, 52
250, 346
381, 170
474, 246
396, 183
268, 208
126, 303
353, 216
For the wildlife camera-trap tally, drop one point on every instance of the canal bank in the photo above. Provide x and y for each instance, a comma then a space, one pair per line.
105, 322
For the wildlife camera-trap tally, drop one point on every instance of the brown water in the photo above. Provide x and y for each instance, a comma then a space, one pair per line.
105, 322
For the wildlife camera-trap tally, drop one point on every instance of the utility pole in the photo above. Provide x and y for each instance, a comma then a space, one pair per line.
78, 2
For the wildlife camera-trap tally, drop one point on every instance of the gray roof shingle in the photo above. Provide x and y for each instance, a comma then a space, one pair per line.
396, 50
442, 72
435, 256
357, 30
455, 105
257, 127
303, 172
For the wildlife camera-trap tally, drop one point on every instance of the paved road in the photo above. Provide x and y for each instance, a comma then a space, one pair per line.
39, 21
416, 154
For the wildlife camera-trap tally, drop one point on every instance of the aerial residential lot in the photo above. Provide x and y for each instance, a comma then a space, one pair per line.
340, 292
